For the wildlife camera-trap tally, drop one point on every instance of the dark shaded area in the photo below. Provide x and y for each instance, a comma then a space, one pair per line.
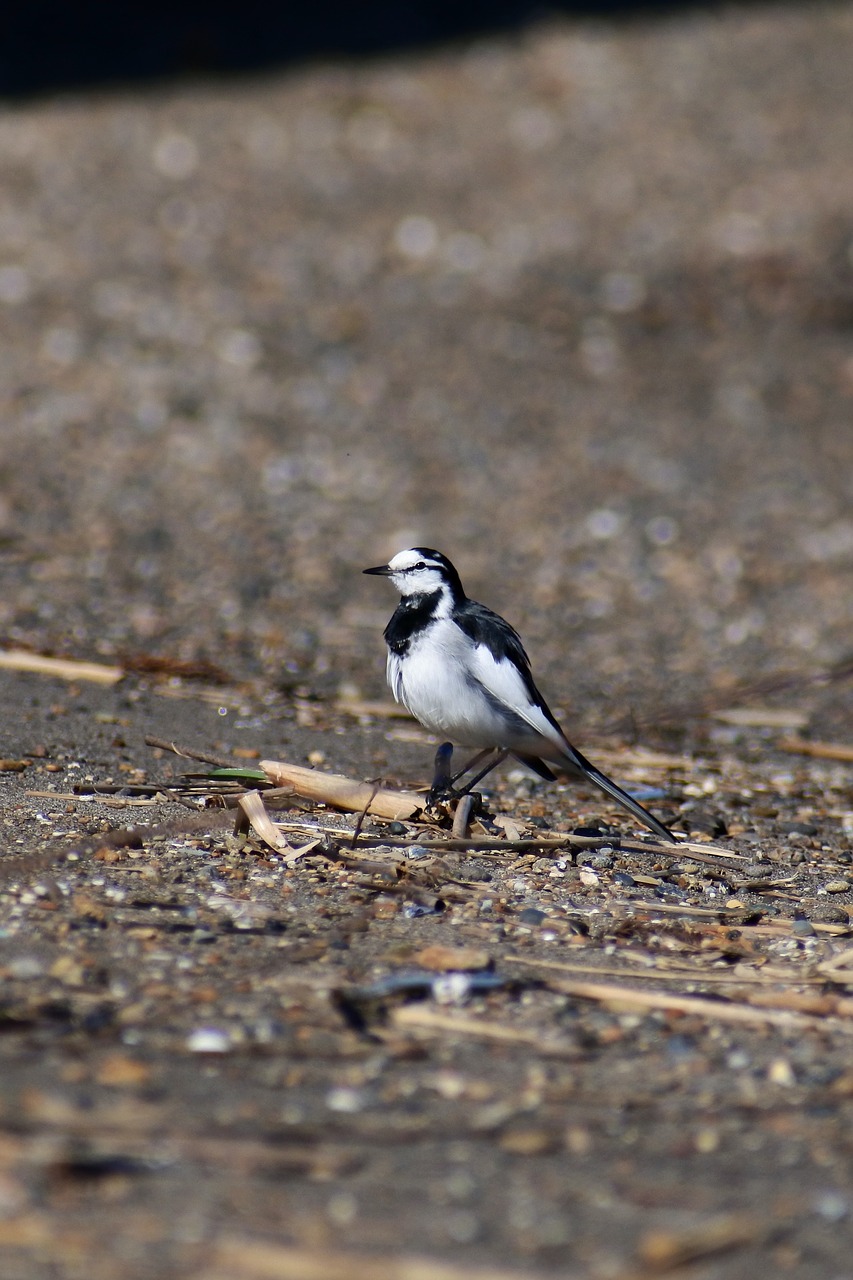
49, 46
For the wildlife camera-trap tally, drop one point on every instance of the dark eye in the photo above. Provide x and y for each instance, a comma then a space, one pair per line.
420, 565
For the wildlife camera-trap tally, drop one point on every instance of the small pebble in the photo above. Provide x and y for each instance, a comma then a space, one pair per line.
345, 1100
781, 1072
832, 1205
837, 886
622, 877
829, 914
451, 988
342, 1209
531, 915
803, 929
673, 891
705, 822
25, 967
208, 1040
600, 859
396, 829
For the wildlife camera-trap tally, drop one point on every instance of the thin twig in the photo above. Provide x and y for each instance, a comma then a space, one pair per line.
220, 762
361, 817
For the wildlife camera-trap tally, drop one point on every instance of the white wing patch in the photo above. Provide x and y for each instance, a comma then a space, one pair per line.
504, 681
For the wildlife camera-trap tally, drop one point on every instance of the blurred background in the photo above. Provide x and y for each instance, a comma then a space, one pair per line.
568, 296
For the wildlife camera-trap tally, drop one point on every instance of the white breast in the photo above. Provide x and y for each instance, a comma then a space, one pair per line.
446, 683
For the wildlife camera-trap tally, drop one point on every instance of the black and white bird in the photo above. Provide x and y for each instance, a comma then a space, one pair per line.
462, 671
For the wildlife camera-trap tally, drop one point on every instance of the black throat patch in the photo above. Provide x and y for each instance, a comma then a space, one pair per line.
412, 615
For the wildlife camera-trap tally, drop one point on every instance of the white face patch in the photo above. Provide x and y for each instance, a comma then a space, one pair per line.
414, 574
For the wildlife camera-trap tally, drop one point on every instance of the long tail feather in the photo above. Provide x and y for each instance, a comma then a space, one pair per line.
616, 793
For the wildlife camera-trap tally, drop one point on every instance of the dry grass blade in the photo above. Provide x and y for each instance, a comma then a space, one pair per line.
343, 793
662, 1250
59, 668
374, 710
820, 750
422, 1018
645, 908
243, 1259
655, 972
762, 717
628, 999
838, 969
713, 850
642, 757
252, 807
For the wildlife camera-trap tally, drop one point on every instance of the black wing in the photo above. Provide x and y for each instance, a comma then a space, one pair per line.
484, 626
487, 628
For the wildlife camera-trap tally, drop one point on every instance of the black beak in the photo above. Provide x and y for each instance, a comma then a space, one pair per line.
382, 570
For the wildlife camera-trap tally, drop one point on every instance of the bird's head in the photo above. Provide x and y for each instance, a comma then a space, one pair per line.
420, 571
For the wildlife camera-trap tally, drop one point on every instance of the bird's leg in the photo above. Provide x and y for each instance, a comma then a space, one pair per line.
472, 764
499, 756
442, 782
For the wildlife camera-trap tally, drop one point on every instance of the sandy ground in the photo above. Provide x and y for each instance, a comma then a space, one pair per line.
575, 307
